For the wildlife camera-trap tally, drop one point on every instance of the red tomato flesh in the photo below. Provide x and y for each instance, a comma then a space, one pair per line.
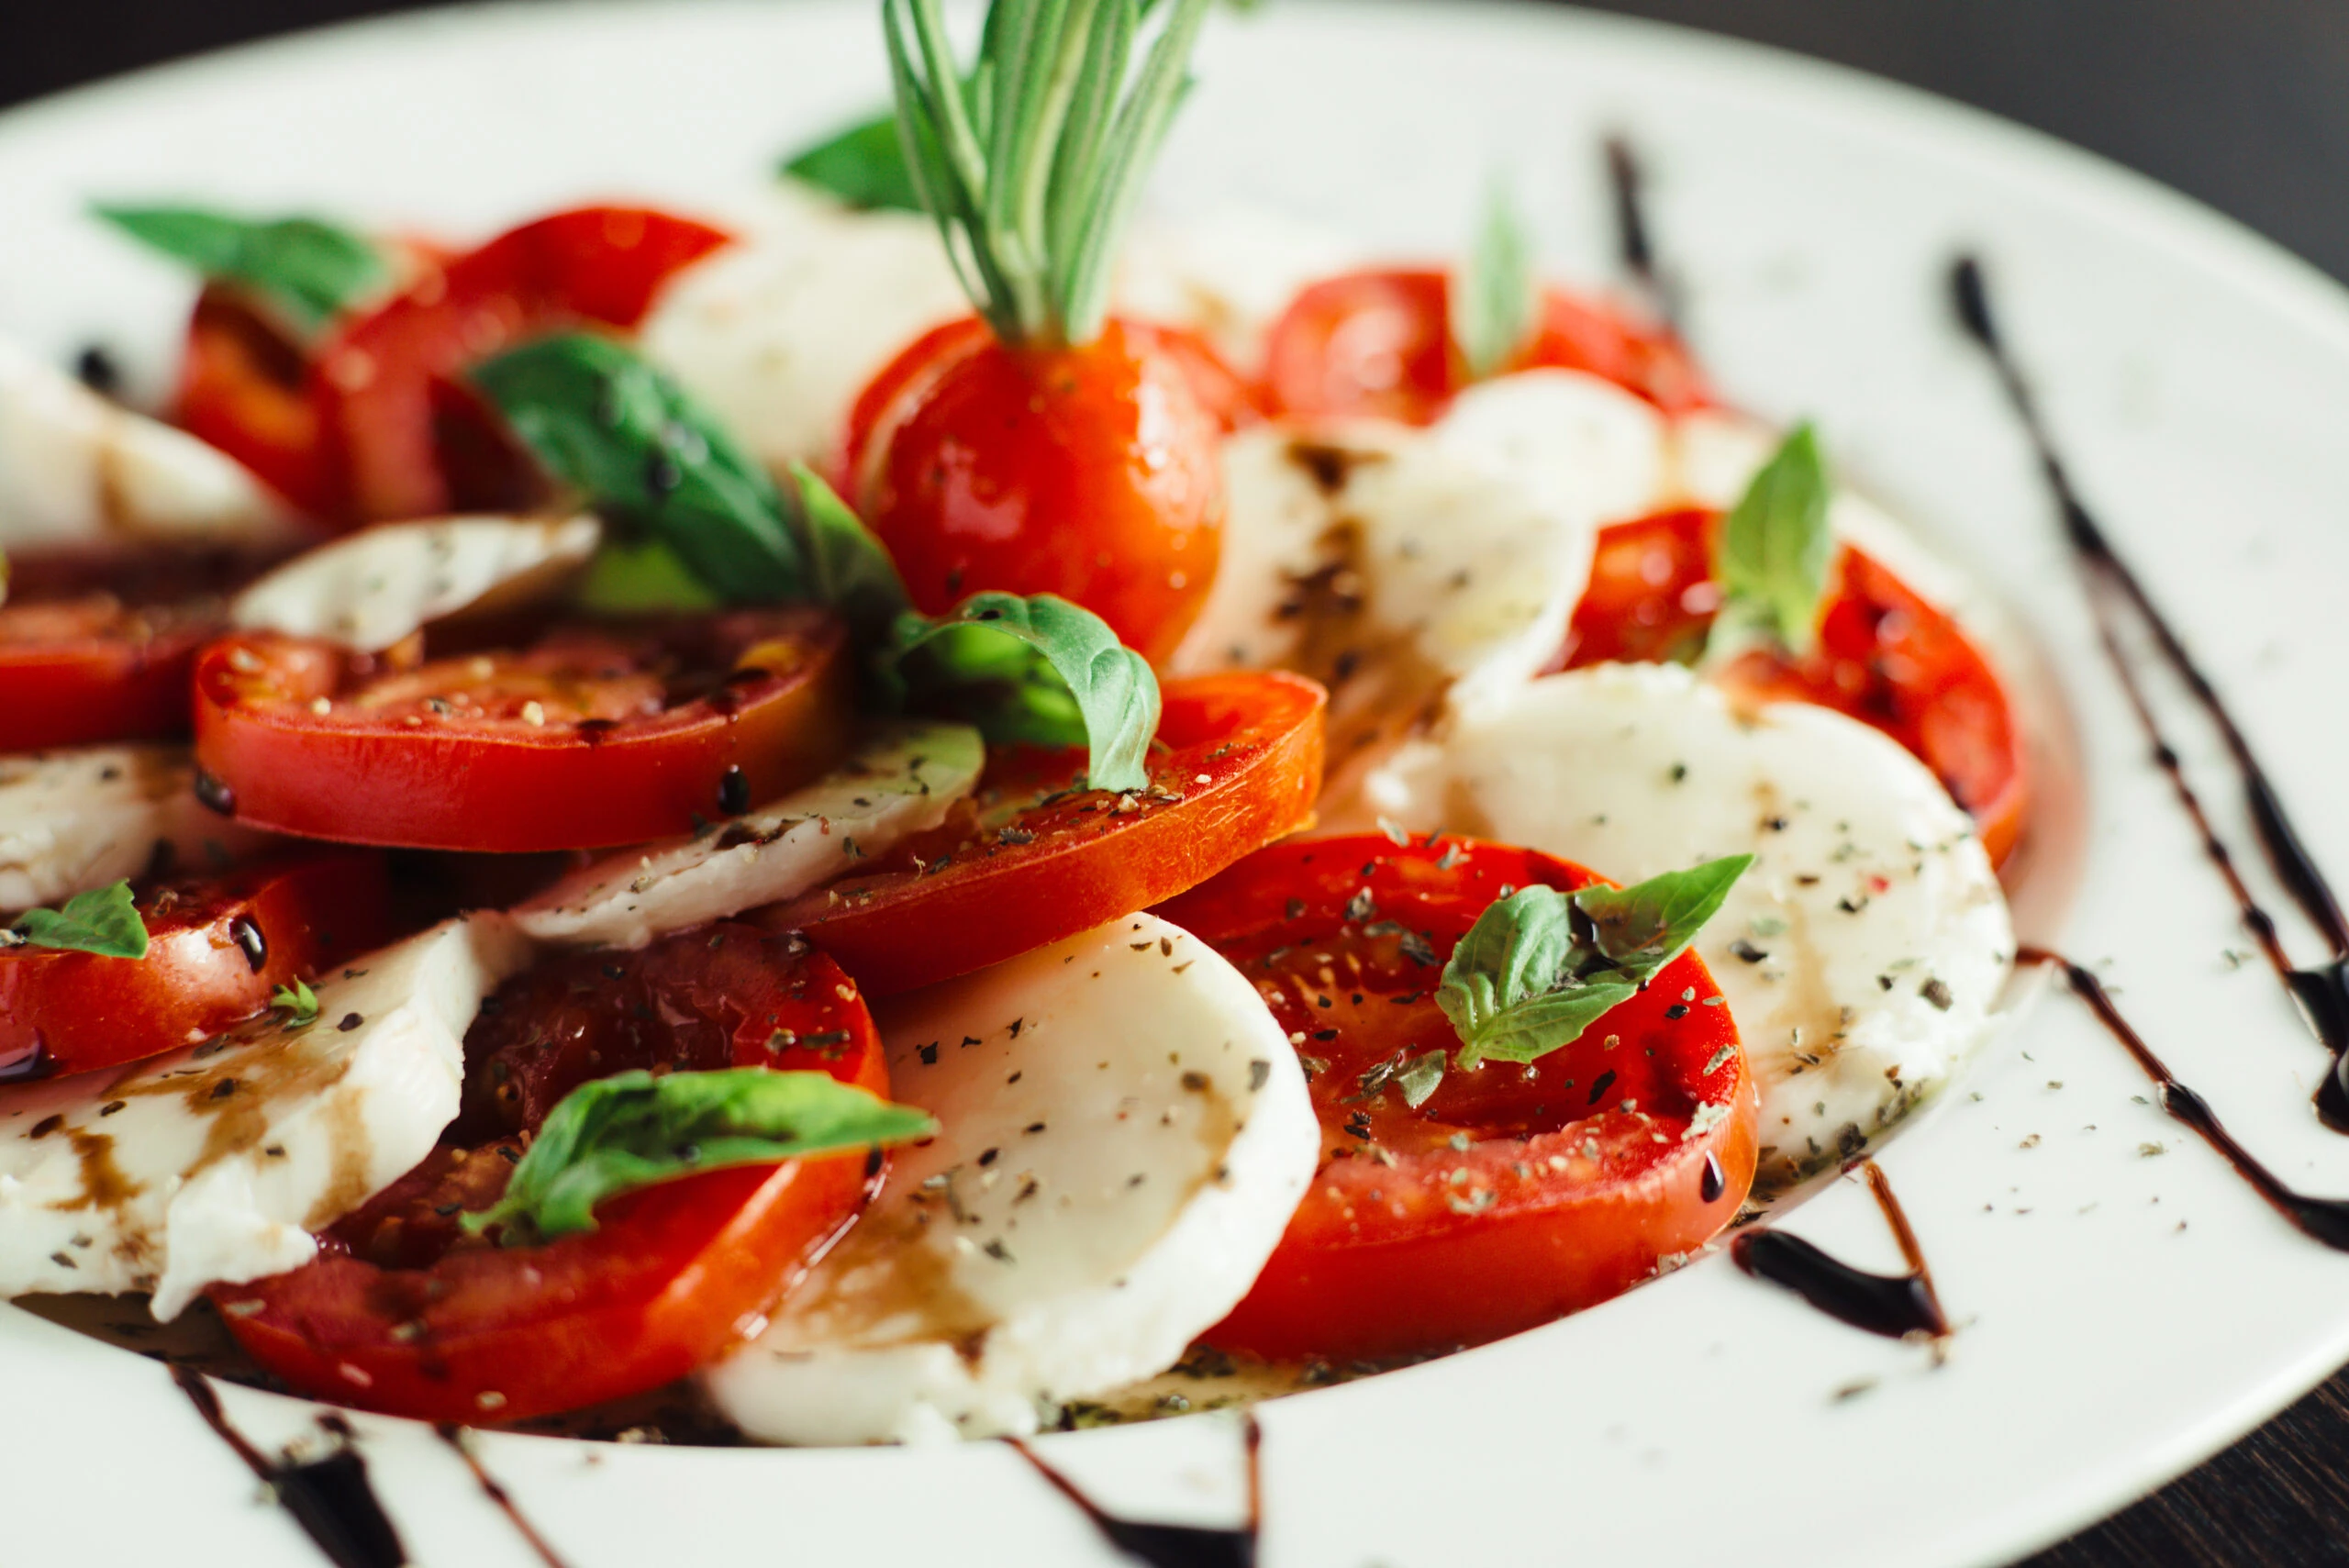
1091, 472
1028, 860
245, 388
1380, 344
405, 1313
218, 947
1883, 656
1516, 1193
598, 734
409, 439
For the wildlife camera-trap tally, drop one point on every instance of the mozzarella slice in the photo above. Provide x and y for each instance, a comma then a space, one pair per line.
1577, 445
776, 334
1124, 1134
76, 469
76, 819
1862, 953
216, 1163
370, 589
903, 780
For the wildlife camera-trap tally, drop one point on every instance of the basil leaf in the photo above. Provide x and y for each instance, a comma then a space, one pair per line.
1772, 561
297, 1002
309, 269
602, 419
1495, 301
1040, 670
853, 574
1513, 988
103, 921
632, 1131
634, 577
1420, 1077
1642, 927
863, 165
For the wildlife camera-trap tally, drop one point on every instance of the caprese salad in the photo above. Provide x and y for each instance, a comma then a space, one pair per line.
909, 803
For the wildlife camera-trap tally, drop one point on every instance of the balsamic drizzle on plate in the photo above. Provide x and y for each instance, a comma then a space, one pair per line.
1634, 238
329, 1497
2322, 992
1172, 1546
461, 1439
1899, 1306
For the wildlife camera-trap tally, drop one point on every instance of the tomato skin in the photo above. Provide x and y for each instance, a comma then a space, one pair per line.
1380, 344
610, 759
71, 1012
407, 440
1561, 1201
1883, 656
1006, 873
1092, 472
400, 1314
244, 388
83, 671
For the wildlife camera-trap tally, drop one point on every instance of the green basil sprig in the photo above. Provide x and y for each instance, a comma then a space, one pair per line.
309, 269
863, 165
1495, 301
1771, 563
604, 421
104, 921
1540, 966
617, 1135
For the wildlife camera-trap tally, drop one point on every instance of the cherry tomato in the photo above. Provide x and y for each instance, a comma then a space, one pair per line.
218, 948
598, 734
1883, 656
1028, 860
411, 441
98, 646
1515, 1193
1380, 343
1091, 472
404, 1312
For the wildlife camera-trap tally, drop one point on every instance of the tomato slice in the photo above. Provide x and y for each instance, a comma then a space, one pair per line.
1380, 344
1028, 860
412, 442
217, 947
1517, 1193
597, 734
402, 1312
244, 388
1884, 656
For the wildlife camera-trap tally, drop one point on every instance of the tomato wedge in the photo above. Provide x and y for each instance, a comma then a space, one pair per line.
245, 388
1028, 860
410, 440
1515, 1193
1884, 656
598, 734
1380, 343
217, 947
405, 1313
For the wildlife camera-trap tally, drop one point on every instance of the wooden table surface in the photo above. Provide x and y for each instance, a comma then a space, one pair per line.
2239, 102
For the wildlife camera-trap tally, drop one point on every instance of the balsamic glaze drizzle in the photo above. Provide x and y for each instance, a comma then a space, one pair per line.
2322, 992
1899, 1306
1634, 239
1172, 1546
328, 1498
2322, 1218
455, 1437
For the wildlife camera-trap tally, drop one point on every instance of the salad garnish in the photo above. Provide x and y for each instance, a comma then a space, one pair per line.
1496, 305
1772, 559
104, 921
305, 267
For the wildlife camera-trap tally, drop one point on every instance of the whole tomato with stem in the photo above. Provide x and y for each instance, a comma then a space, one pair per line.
1045, 447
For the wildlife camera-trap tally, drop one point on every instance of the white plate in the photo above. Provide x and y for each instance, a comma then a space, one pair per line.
2124, 1314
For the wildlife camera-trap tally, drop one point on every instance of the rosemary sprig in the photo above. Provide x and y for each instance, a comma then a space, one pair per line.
1031, 160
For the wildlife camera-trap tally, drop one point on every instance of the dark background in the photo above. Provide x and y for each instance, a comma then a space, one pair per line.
2244, 104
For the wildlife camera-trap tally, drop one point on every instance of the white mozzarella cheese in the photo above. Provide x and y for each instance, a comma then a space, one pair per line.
216, 1163
76, 469
903, 780
373, 588
1864, 954
776, 334
1124, 1133
1579, 445
76, 819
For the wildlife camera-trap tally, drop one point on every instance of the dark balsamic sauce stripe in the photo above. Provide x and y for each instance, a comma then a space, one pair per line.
1899, 1306
456, 1438
1172, 1546
328, 1498
1634, 239
2322, 1218
2323, 992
